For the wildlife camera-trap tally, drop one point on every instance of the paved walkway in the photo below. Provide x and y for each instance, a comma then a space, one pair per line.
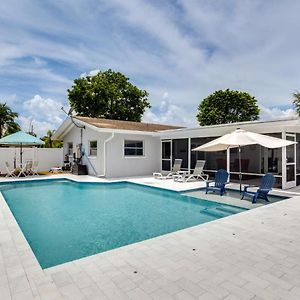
252, 255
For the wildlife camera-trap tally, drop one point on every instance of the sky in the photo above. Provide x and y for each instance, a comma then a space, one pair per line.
180, 51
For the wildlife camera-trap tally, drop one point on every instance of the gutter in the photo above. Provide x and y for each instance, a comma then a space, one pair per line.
104, 154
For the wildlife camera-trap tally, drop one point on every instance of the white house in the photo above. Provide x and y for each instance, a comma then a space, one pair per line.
120, 148
114, 148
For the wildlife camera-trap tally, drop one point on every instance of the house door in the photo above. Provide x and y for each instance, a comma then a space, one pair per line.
166, 155
290, 168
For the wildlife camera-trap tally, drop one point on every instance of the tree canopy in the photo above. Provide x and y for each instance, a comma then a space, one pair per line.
50, 142
108, 95
7, 120
227, 106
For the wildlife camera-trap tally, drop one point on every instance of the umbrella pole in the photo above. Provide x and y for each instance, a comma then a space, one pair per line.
21, 155
15, 158
240, 169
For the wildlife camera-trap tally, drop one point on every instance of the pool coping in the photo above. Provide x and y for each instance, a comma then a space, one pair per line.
92, 179
23, 274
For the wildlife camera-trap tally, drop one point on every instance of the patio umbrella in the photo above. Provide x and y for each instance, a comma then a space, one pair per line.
239, 138
21, 139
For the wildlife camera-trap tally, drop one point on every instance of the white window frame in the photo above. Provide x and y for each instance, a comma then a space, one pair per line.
133, 156
93, 155
68, 148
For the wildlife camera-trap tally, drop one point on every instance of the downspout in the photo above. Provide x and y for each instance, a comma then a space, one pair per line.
104, 154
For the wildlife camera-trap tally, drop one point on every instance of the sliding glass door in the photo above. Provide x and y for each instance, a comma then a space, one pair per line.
166, 155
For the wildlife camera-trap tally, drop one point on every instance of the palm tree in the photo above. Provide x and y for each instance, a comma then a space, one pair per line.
7, 121
296, 102
49, 142
48, 139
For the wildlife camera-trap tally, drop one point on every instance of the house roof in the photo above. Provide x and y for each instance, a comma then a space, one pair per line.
273, 126
126, 125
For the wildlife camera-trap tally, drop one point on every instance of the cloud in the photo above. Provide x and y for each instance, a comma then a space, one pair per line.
40, 128
170, 113
276, 113
186, 49
42, 113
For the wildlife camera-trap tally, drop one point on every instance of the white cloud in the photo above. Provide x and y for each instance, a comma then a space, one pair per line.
187, 48
165, 95
275, 113
90, 73
169, 113
40, 128
42, 113
45, 108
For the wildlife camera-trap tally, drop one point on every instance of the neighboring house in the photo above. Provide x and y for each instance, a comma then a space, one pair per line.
114, 148
121, 148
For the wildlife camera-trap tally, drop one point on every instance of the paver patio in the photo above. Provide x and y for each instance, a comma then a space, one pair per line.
251, 255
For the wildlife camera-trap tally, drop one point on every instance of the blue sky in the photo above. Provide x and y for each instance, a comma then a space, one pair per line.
179, 51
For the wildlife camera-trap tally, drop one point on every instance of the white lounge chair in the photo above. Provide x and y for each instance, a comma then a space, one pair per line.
10, 171
176, 168
197, 174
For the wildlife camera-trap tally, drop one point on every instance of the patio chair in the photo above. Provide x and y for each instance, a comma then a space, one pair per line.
28, 167
23, 169
262, 191
176, 168
34, 168
219, 183
197, 174
10, 171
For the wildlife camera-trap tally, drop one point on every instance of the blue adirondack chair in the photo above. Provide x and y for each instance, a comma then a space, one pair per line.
262, 191
219, 183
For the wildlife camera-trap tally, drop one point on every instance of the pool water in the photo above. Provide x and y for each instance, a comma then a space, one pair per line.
63, 220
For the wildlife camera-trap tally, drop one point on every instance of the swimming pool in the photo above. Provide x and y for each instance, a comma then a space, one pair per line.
64, 220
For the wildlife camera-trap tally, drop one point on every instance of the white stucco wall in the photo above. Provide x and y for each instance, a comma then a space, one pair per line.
46, 157
94, 164
120, 166
116, 164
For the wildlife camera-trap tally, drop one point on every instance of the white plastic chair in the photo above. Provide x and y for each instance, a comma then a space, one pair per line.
23, 168
10, 171
34, 168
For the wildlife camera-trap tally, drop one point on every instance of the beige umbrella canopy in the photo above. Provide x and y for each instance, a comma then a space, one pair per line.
239, 138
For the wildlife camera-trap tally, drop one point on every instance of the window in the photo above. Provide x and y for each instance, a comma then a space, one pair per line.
133, 148
70, 148
93, 148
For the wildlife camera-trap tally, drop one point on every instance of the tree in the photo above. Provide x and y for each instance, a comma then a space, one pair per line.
296, 102
227, 106
108, 95
49, 142
7, 121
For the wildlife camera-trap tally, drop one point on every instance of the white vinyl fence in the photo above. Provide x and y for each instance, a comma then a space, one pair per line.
47, 157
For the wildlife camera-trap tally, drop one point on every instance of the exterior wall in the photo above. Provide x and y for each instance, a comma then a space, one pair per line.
116, 165
46, 157
120, 166
95, 164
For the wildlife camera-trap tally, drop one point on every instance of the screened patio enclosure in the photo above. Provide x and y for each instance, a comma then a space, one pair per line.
284, 162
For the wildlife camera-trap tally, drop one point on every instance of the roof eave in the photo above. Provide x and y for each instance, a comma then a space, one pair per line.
63, 129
